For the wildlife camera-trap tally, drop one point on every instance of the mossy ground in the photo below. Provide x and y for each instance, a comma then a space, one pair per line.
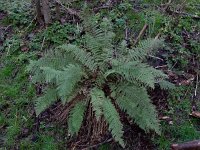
22, 40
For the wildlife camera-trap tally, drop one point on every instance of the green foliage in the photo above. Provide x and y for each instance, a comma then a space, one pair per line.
19, 12
183, 127
130, 102
112, 117
45, 101
96, 63
54, 35
76, 118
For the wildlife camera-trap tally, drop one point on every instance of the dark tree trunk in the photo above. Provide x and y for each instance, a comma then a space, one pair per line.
57, 11
38, 11
46, 11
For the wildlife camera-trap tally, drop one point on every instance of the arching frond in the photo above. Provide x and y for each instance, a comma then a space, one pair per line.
76, 117
166, 85
112, 117
97, 99
136, 103
80, 55
145, 48
136, 71
67, 81
45, 100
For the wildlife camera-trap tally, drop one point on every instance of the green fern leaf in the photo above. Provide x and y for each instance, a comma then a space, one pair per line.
135, 71
84, 57
45, 101
50, 74
166, 85
136, 103
145, 48
97, 98
67, 81
112, 117
76, 117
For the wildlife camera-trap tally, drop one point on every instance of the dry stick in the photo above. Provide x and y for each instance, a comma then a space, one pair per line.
141, 34
167, 4
42, 43
195, 92
184, 14
195, 114
155, 57
69, 10
96, 9
192, 145
157, 36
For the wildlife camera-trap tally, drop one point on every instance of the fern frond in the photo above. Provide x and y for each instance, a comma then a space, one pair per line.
46, 100
112, 117
76, 117
97, 99
80, 55
53, 59
135, 71
67, 81
136, 103
145, 48
50, 74
166, 85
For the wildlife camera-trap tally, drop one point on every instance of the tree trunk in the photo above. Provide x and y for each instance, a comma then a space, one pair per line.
38, 11
192, 145
57, 11
46, 11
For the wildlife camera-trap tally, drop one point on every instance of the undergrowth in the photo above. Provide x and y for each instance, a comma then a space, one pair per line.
17, 121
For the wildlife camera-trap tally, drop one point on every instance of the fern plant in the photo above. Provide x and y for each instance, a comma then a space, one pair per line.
106, 74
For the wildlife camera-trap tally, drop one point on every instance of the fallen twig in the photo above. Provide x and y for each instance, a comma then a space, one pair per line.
195, 114
184, 14
155, 57
197, 81
140, 34
69, 10
192, 145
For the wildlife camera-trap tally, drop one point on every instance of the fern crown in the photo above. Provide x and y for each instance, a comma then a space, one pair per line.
106, 74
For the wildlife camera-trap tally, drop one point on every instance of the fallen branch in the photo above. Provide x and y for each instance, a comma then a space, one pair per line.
196, 87
96, 9
140, 34
192, 145
166, 6
69, 10
184, 14
195, 114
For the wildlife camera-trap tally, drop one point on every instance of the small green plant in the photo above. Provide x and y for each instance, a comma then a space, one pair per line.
101, 74
19, 12
54, 35
182, 128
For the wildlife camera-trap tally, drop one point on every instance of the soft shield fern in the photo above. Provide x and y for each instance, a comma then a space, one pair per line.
105, 74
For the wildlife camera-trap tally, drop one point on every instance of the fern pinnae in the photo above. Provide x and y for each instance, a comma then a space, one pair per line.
67, 81
50, 73
80, 55
76, 117
145, 48
166, 85
112, 117
97, 98
136, 103
46, 100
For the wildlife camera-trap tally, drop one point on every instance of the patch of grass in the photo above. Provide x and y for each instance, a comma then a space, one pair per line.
182, 128
53, 35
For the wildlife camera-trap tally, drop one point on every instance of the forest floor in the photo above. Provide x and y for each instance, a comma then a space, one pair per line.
21, 39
